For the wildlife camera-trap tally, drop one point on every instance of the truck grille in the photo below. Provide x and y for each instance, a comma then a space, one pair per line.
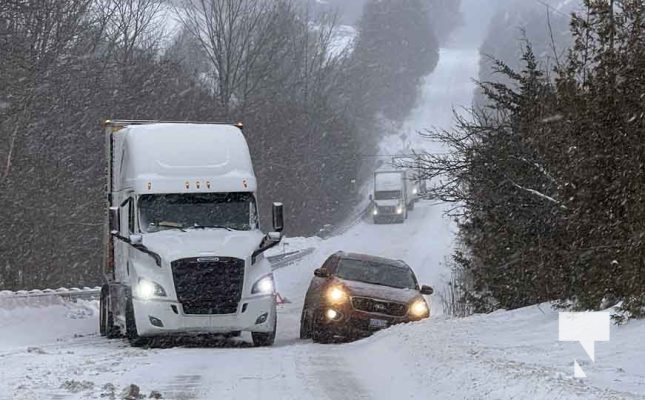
379, 306
387, 209
208, 285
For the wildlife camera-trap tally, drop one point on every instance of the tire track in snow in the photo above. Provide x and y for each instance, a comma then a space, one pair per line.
182, 387
329, 372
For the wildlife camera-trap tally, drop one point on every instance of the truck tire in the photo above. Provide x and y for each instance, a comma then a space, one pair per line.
106, 319
131, 327
102, 313
264, 339
305, 325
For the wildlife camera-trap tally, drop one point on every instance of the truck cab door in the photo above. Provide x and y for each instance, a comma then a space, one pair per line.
122, 249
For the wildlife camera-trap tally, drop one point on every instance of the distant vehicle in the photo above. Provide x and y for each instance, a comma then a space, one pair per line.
394, 195
183, 240
353, 295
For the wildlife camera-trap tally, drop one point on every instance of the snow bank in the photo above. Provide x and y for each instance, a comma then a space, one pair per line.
44, 320
504, 355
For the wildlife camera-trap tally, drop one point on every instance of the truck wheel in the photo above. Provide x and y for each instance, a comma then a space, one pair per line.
106, 319
131, 327
102, 312
263, 339
305, 325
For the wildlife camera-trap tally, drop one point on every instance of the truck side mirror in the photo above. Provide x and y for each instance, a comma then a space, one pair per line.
274, 236
114, 220
278, 217
371, 197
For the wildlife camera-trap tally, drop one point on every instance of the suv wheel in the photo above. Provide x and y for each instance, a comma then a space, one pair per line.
305, 325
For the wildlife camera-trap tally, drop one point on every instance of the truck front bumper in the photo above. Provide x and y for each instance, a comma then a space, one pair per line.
161, 317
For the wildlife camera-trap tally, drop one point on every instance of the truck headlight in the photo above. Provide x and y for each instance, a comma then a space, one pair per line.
146, 289
419, 308
415, 191
375, 212
263, 286
399, 210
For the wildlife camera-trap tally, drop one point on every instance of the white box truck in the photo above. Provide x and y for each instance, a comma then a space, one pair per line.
394, 195
183, 241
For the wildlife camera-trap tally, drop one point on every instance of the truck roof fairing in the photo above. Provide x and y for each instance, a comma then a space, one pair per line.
183, 158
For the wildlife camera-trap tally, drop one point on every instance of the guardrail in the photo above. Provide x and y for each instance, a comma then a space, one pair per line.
46, 297
284, 260
93, 293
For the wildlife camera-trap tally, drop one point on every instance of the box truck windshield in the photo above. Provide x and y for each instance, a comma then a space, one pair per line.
387, 195
197, 210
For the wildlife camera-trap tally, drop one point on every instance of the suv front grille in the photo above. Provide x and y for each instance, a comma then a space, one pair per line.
379, 306
208, 285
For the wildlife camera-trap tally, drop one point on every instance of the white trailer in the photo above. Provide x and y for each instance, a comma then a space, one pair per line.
394, 195
183, 240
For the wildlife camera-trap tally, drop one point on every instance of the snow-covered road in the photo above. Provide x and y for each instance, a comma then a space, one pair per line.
53, 351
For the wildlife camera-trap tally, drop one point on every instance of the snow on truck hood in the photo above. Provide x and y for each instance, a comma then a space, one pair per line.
380, 292
175, 244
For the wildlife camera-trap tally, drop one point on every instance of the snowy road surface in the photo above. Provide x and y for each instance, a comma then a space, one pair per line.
53, 351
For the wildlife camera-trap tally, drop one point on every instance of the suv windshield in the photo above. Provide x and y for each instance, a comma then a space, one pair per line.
387, 195
376, 273
197, 210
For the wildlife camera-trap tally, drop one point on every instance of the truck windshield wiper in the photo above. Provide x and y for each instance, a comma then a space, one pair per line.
198, 226
173, 225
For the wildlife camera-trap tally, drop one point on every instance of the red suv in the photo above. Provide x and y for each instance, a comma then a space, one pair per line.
353, 295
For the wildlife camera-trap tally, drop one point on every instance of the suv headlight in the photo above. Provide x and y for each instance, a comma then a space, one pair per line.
336, 295
264, 285
419, 308
146, 289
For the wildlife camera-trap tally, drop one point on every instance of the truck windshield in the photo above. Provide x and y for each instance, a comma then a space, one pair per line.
197, 210
376, 273
387, 195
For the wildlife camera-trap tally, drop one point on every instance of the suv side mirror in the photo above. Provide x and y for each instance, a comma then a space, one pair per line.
114, 220
322, 272
278, 217
427, 290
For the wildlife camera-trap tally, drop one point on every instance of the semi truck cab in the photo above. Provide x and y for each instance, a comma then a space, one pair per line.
394, 195
184, 249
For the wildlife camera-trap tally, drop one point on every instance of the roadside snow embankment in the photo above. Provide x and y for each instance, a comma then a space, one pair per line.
44, 320
504, 355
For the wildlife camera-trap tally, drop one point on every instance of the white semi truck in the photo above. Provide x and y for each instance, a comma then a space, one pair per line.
394, 195
184, 250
